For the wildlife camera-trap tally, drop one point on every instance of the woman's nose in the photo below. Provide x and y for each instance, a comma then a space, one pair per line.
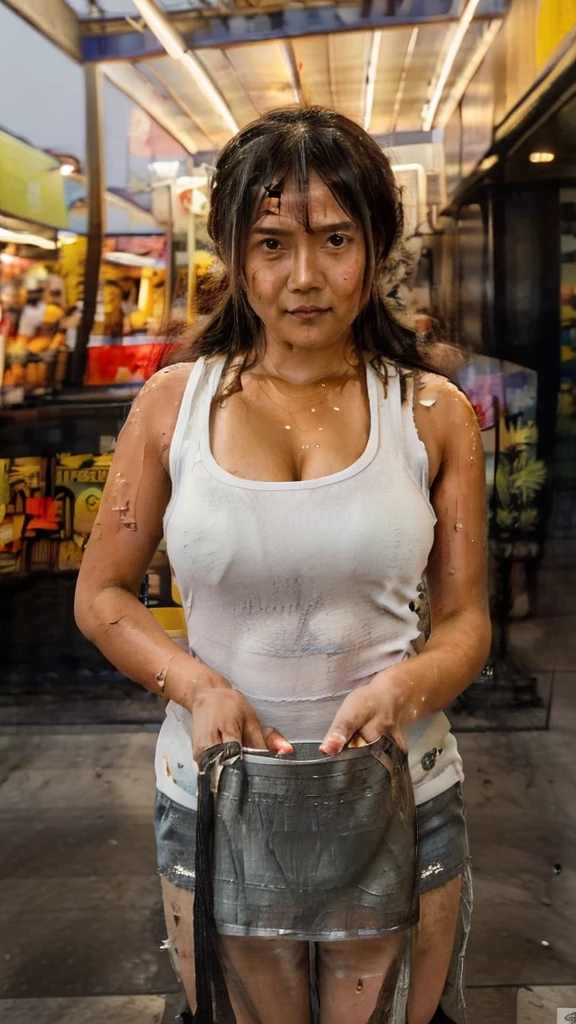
305, 271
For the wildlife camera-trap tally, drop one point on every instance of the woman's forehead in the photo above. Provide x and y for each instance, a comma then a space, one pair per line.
286, 200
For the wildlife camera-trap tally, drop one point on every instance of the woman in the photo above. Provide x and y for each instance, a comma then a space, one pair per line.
306, 471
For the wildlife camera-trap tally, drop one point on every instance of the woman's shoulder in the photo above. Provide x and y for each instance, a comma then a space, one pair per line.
166, 387
443, 417
170, 380
157, 406
439, 394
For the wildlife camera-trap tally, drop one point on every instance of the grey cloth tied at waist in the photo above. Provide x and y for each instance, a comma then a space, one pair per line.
300, 846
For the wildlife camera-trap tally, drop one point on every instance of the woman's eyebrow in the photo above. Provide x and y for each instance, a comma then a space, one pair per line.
321, 229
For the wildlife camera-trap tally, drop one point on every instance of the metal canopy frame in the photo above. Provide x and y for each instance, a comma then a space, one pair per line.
111, 39
55, 20
119, 44
114, 47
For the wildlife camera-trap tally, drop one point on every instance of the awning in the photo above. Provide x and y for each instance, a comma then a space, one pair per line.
201, 69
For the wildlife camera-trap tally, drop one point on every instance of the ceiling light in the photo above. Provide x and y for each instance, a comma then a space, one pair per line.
541, 158
193, 66
488, 162
130, 259
461, 30
22, 238
191, 181
161, 28
371, 77
459, 88
289, 58
172, 42
67, 169
403, 73
165, 169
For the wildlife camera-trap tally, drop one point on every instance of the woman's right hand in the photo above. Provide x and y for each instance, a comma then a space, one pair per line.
221, 714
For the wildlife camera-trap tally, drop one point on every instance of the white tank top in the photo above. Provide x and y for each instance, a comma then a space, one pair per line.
299, 592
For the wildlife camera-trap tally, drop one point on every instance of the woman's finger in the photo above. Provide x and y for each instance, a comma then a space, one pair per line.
253, 735
230, 734
348, 720
276, 742
399, 739
371, 732
203, 737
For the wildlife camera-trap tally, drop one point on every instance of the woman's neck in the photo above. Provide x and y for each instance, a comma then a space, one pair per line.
308, 366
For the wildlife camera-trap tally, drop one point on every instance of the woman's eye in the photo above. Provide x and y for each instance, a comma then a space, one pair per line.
271, 244
338, 241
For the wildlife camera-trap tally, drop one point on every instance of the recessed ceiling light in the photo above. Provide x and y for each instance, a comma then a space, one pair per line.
488, 162
541, 158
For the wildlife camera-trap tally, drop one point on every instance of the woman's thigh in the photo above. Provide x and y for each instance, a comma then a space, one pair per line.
178, 912
433, 941
268, 980
357, 979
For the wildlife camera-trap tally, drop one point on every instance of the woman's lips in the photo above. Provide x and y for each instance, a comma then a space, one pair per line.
308, 314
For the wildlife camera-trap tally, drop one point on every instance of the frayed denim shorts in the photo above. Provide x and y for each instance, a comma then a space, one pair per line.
443, 851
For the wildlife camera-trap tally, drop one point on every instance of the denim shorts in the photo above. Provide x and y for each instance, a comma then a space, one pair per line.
443, 851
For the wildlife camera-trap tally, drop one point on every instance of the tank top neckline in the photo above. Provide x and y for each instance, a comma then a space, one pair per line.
364, 460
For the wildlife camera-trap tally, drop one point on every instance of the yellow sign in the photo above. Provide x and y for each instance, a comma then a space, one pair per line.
31, 186
556, 18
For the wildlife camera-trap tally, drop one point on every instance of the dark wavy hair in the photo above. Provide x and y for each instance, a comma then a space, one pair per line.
287, 145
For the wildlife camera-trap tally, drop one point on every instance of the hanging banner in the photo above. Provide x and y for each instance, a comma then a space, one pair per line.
556, 18
31, 186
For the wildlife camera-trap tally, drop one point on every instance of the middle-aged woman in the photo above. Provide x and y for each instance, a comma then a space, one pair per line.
307, 471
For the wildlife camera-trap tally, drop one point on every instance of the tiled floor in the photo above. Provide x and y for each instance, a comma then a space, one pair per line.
552, 1003
114, 1009
81, 917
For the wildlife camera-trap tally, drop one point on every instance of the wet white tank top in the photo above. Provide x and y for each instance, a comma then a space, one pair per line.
299, 592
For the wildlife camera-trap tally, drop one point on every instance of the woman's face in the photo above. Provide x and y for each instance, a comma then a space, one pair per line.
305, 287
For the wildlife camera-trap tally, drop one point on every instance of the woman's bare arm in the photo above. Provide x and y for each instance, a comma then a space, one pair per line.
125, 536
456, 578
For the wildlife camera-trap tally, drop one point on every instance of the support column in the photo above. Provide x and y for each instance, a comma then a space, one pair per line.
191, 296
95, 197
170, 255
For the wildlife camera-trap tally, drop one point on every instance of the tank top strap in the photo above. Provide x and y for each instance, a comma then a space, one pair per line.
186, 436
400, 427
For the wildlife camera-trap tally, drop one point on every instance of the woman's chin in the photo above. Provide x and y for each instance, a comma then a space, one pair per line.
310, 337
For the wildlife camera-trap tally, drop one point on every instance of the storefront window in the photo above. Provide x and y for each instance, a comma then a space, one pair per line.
564, 508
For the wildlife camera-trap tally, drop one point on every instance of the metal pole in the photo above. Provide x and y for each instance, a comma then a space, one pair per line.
170, 257
191, 303
95, 197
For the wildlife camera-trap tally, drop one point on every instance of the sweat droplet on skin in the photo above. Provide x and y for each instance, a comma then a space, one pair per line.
452, 571
458, 526
427, 402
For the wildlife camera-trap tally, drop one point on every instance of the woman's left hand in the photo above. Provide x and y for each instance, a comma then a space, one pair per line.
379, 708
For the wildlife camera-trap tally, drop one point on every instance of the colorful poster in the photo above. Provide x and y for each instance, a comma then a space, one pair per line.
26, 513
122, 364
31, 186
78, 484
481, 379
556, 20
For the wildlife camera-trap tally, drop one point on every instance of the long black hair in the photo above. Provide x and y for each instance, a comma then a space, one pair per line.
287, 145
